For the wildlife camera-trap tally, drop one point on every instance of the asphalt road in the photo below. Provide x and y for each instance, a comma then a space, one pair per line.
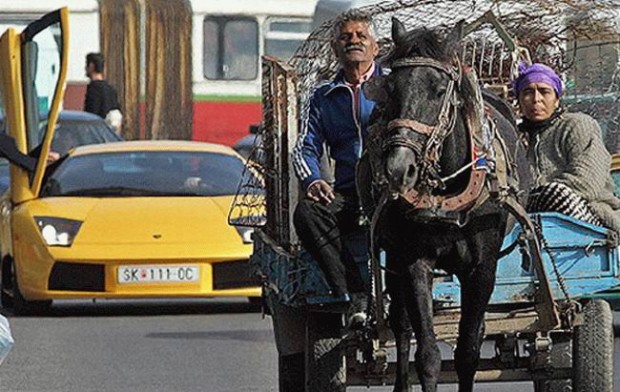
212, 346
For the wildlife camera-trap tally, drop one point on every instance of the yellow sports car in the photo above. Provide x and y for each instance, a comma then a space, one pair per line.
129, 219
118, 220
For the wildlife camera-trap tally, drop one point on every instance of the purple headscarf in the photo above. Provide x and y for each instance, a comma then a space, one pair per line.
537, 73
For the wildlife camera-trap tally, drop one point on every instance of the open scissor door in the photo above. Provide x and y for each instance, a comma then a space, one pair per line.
33, 69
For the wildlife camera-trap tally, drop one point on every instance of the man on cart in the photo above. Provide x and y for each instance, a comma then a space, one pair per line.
338, 118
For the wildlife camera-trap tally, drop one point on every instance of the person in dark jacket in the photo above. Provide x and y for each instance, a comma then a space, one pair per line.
338, 115
101, 98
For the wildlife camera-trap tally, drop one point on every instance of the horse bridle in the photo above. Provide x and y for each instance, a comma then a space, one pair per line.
429, 151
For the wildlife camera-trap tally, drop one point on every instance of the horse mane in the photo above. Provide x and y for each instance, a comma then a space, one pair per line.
422, 42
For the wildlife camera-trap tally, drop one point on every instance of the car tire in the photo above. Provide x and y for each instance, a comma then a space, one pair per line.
6, 281
20, 305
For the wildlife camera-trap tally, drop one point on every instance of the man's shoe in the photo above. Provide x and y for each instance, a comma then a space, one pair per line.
356, 316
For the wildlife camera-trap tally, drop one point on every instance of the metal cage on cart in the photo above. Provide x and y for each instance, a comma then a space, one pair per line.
577, 37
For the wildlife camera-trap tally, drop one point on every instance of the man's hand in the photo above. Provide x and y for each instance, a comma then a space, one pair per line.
192, 183
52, 157
321, 191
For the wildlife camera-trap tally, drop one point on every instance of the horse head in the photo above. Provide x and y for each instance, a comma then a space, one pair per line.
420, 104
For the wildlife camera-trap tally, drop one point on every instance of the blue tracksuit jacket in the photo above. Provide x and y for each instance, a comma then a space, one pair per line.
331, 120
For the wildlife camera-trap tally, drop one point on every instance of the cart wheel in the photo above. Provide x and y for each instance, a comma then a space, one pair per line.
256, 301
593, 349
325, 364
561, 357
291, 372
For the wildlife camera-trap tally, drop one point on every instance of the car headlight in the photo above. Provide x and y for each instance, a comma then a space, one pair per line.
57, 231
245, 233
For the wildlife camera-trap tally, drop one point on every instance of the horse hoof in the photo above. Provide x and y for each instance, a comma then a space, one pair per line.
356, 316
356, 321
399, 388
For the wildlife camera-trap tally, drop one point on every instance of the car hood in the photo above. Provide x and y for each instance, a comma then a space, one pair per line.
146, 220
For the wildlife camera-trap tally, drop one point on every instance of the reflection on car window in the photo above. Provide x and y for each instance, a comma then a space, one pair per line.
4, 175
41, 70
152, 173
616, 176
284, 35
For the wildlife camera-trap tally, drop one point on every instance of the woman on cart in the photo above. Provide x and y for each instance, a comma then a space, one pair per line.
567, 156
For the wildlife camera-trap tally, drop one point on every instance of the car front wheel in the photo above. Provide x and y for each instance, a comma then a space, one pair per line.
6, 285
12, 297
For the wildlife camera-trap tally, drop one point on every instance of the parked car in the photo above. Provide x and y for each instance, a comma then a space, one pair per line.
245, 145
615, 172
129, 220
74, 128
249, 146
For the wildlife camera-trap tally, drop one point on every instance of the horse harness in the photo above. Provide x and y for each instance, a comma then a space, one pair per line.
491, 175
490, 159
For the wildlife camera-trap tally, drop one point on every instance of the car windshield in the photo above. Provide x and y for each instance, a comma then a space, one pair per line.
146, 173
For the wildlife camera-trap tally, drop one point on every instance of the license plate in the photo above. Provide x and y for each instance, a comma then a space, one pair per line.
158, 273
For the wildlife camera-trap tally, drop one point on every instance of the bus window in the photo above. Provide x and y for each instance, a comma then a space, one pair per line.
283, 36
230, 48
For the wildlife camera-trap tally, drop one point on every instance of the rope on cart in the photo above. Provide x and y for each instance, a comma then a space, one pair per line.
556, 269
374, 265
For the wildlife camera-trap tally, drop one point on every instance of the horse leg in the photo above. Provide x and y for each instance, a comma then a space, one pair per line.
420, 309
401, 327
476, 290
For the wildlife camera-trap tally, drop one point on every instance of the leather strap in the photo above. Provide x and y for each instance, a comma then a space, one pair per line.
412, 124
460, 202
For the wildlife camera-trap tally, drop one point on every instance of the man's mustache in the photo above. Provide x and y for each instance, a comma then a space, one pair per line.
353, 47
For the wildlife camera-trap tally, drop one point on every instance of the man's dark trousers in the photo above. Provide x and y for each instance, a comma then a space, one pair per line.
320, 228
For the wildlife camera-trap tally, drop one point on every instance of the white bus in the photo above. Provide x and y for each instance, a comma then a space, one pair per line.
228, 39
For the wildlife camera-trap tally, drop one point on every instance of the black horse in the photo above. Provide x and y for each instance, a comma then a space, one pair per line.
435, 190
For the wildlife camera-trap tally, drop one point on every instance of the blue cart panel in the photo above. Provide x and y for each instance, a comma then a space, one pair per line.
586, 256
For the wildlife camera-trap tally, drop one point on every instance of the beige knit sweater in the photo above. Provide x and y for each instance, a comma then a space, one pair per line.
571, 151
